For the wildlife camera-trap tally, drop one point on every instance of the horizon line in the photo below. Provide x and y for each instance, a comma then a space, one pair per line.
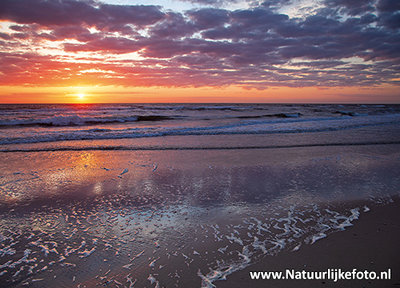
257, 103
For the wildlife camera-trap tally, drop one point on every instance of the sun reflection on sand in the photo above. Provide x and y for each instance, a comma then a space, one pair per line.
98, 188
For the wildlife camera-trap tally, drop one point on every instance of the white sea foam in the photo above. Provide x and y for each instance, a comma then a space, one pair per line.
269, 242
86, 252
7, 251
153, 280
225, 269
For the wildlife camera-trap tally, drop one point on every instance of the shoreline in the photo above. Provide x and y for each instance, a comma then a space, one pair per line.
370, 244
194, 148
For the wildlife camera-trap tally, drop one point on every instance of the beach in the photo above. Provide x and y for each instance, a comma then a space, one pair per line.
371, 244
200, 210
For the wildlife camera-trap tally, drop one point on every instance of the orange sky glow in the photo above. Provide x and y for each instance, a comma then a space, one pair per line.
113, 94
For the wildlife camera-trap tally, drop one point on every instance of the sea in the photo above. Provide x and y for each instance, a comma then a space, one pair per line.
183, 195
55, 123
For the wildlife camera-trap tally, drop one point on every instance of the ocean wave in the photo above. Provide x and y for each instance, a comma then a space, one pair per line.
75, 120
277, 115
209, 108
279, 126
47, 108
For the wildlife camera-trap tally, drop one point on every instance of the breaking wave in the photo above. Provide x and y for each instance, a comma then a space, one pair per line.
75, 120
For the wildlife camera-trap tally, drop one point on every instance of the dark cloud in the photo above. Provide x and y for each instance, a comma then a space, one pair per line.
388, 5
257, 17
255, 47
276, 4
208, 17
137, 15
391, 20
107, 44
5, 36
71, 32
72, 12
48, 12
247, 24
352, 7
211, 2
173, 26
319, 64
20, 28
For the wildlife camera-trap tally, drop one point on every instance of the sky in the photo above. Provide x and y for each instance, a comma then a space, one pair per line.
273, 51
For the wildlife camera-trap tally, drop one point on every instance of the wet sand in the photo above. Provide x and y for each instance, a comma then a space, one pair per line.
190, 218
371, 244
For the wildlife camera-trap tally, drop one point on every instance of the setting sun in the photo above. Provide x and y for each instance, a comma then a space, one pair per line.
80, 96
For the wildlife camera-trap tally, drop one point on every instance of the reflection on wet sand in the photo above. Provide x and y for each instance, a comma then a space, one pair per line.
154, 219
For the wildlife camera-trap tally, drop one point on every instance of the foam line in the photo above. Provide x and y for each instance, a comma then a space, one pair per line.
124, 148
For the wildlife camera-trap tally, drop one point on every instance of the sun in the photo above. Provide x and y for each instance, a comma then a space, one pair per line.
78, 94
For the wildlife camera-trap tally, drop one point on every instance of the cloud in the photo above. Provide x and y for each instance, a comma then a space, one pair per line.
174, 25
345, 43
137, 15
352, 7
106, 45
48, 12
208, 17
389, 13
73, 12
276, 4
388, 6
211, 2
69, 32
